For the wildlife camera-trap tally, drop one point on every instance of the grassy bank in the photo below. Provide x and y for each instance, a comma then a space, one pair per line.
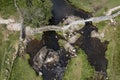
96, 7
20, 69
23, 71
112, 32
113, 52
7, 8
79, 68
8, 41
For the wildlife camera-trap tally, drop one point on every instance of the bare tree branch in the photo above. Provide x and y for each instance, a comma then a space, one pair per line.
22, 31
19, 11
78, 22
62, 28
6, 21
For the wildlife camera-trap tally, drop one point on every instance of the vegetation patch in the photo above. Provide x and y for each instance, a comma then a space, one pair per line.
23, 71
113, 52
7, 50
79, 68
96, 7
35, 13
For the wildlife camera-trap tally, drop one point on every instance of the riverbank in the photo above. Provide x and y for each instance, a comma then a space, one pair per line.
111, 34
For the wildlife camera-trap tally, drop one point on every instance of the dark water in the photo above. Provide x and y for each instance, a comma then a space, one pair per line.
93, 47
62, 9
48, 47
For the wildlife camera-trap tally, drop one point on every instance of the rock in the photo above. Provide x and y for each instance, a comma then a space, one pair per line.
48, 59
14, 26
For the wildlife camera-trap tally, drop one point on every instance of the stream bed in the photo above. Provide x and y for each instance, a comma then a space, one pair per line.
50, 60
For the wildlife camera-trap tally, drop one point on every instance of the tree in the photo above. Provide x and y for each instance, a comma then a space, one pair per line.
35, 13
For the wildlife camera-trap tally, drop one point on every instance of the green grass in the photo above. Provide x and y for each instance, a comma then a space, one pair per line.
113, 54
37, 14
97, 7
82, 4
7, 49
112, 34
7, 8
23, 71
79, 68
20, 69
8, 39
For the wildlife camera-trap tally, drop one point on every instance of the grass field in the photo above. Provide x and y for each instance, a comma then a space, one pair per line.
8, 41
112, 32
18, 69
79, 68
23, 71
113, 52
10, 69
96, 7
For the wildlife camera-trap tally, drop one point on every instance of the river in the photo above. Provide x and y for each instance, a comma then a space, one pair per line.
93, 47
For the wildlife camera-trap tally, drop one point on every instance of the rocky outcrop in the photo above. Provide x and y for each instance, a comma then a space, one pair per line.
46, 56
93, 47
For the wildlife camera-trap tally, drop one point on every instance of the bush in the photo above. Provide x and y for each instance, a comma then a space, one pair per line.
35, 12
